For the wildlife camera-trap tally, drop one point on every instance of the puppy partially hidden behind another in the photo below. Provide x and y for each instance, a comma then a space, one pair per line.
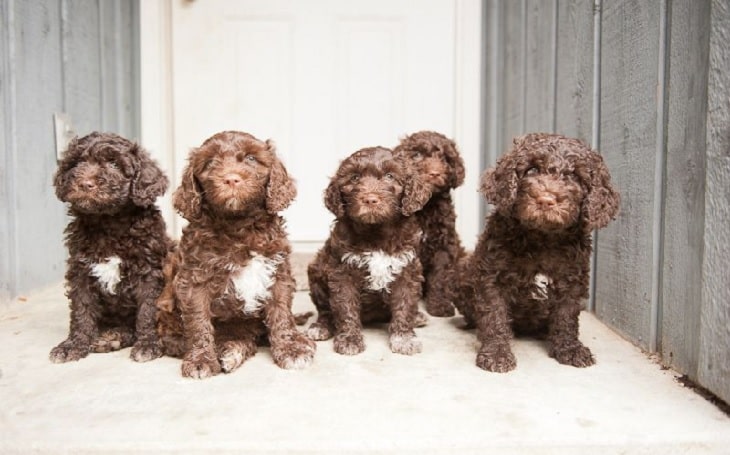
529, 273
437, 159
116, 242
230, 281
368, 269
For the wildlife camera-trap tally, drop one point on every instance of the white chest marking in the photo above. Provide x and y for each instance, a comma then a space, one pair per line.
108, 273
541, 283
253, 282
382, 268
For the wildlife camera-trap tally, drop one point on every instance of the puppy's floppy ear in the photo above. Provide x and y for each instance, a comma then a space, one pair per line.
148, 182
333, 199
63, 174
456, 165
499, 184
602, 202
187, 198
280, 190
415, 194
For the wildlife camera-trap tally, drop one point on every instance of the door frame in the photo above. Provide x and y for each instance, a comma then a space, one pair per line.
157, 110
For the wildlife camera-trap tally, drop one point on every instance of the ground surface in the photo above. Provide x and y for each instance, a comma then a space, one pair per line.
373, 403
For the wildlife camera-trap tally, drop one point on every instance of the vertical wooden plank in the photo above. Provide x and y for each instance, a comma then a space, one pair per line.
684, 215
81, 64
574, 69
492, 63
38, 92
513, 72
628, 138
110, 77
714, 362
7, 160
540, 28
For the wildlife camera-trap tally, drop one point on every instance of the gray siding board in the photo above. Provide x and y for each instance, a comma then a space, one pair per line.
52, 62
7, 160
82, 70
574, 69
513, 72
39, 217
540, 65
628, 135
684, 213
714, 361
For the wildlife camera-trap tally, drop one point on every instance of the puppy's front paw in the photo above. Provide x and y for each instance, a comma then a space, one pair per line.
295, 354
498, 359
406, 344
67, 351
234, 353
144, 351
319, 332
349, 343
113, 340
576, 355
200, 366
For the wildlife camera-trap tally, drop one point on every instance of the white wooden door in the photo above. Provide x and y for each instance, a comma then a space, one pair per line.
322, 78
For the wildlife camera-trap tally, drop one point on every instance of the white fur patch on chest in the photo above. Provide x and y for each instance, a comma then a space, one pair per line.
108, 273
382, 268
541, 282
253, 282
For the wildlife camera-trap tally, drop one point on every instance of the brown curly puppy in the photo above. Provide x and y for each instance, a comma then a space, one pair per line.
529, 273
437, 159
116, 243
233, 280
368, 268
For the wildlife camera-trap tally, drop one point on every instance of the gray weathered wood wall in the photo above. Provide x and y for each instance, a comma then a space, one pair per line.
73, 56
648, 84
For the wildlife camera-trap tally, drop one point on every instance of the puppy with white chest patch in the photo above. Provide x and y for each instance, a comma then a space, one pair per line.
116, 242
530, 269
230, 282
368, 269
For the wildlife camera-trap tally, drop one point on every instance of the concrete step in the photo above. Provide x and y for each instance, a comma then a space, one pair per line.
375, 403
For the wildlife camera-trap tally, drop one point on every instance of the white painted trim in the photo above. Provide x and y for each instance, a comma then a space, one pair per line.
467, 115
156, 118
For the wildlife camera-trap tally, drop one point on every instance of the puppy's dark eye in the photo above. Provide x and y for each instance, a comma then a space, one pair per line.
418, 156
251, 158
532, 170
389, 176
355, 178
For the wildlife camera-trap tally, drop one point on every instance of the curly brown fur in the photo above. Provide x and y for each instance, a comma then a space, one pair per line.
231, 278
529, 273
437, 160
116, 242
368, 269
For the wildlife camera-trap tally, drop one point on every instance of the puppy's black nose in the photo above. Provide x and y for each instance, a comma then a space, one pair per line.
547, 200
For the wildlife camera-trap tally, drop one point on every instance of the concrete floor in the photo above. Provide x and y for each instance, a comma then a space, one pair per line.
377, 402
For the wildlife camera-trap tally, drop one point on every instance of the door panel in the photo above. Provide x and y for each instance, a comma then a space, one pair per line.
322, 78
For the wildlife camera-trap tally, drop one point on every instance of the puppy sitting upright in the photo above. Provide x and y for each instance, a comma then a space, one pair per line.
437, 159
368, 268
232, 277
116, 243
529, 273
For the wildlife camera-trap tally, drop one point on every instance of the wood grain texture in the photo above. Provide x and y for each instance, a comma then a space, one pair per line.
52, 55
630, 45
714, 362
540, 65
513, 72
684, 213
574, 69
38, 92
